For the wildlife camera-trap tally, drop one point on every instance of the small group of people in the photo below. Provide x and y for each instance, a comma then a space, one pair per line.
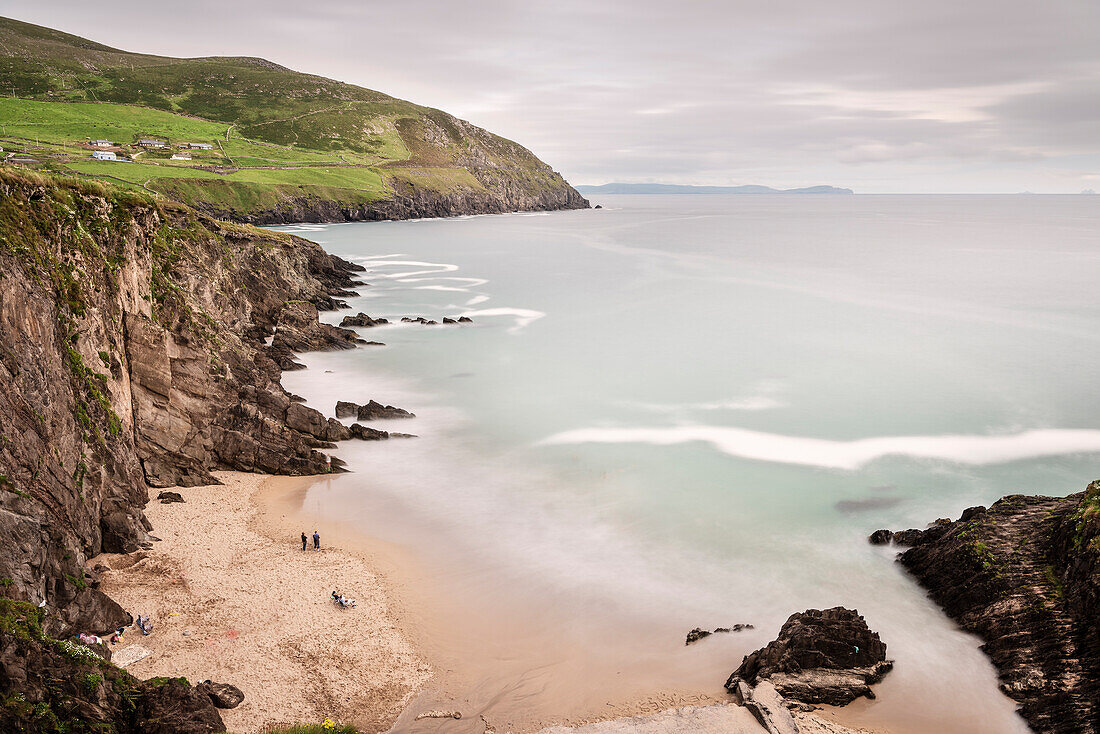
342, 600
144, 623
316, 540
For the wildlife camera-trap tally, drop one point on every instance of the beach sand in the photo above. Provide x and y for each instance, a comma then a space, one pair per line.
229, 570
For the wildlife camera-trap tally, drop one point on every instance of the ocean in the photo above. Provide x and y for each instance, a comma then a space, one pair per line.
690, 411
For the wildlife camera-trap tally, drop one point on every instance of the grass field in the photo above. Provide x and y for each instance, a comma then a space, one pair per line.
55, 132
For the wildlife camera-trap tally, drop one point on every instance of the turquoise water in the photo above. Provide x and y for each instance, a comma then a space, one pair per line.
691, 410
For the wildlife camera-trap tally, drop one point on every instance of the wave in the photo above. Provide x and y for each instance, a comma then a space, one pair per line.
523, 316
440, 288
471, 281
476, 300
850, 455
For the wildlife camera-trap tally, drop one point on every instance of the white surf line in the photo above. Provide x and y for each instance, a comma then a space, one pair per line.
440, 288
370, 258
743, 443
476, 300
523, 316
439, 268
471, 281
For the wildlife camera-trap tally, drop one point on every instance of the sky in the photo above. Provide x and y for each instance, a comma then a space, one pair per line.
882, 96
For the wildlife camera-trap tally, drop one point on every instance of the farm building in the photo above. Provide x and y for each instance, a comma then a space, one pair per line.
104, 155
181, 156
198, 146
151, 143
100, 143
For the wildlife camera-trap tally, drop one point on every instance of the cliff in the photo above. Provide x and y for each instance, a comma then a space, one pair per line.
1024, 575
132, 355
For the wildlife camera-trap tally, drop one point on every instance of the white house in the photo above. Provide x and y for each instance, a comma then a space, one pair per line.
200, 146
181, 156
104, 155
151, 143
101, 144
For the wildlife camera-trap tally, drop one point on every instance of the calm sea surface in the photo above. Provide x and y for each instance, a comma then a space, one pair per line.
691, 410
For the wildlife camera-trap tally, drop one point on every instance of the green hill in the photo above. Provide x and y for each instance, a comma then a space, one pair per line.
284, 146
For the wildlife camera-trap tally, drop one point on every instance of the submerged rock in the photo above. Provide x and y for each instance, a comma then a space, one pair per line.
820, 656
698, 633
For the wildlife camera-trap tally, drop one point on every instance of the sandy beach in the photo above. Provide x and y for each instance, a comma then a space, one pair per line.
234, 599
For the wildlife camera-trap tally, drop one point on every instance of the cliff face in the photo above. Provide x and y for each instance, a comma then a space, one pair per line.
131, 356
1024, 575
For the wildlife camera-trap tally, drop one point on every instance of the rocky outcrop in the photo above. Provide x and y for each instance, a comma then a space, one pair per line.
820, 656
1024, 575
54, 685
298, 330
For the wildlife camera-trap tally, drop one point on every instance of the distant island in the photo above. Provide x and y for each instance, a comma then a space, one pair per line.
646, 188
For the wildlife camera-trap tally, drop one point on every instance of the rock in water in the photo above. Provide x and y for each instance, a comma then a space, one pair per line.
373, 411
695, 635
828, 656
344, 409
881, 537
361, 319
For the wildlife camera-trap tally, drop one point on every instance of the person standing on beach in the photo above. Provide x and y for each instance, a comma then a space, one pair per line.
316, 540
303, 540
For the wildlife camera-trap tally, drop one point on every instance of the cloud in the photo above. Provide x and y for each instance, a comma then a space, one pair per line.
935, 95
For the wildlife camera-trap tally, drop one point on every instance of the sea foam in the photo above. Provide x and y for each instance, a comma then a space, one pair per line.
850, 455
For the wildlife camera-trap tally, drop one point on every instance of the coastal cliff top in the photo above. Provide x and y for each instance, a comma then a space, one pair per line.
247, 139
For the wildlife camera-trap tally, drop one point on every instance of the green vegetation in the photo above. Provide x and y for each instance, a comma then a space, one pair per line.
277, 136
1085, 517
326, 727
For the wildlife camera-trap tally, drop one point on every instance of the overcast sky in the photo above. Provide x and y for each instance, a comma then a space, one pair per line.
877, 95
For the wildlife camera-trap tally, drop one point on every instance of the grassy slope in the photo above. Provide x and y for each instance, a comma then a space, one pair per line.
277, 132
